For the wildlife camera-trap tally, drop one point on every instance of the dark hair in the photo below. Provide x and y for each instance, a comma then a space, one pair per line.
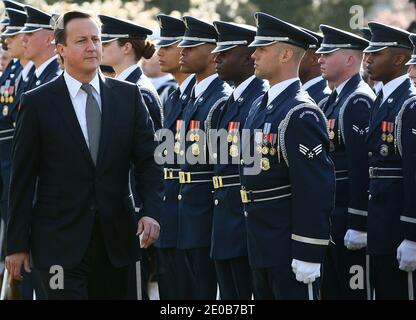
141, 48
62, 21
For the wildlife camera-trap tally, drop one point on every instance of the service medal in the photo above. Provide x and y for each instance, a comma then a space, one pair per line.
272, 151
265, 150
233, 151
195, 149
264, 164
390, 138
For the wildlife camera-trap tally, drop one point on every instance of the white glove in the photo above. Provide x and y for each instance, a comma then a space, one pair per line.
406, 255
306, 272
355, 240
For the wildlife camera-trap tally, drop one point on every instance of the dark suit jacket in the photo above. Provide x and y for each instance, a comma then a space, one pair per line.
49, 150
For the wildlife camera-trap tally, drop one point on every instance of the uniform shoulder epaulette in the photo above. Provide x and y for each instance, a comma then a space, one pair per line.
410, 102
285, 123
322, 102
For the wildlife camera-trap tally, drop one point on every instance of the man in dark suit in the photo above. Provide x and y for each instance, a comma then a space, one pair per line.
81, 132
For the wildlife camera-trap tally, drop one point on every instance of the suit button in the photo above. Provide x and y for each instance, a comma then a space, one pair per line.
164, 198
215, 155
180, 197
369, 197
216, 202
245, 214
242, 162
370, 154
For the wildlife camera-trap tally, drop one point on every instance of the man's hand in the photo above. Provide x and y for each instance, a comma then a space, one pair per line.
406, 255
14, 264
306, 272
355, 240
148, 229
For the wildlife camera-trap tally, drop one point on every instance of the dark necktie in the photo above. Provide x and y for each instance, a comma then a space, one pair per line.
93, 117
377, 104
331, 99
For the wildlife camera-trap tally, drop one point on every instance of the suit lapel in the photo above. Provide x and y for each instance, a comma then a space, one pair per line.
346, 91
107, 117
69, 118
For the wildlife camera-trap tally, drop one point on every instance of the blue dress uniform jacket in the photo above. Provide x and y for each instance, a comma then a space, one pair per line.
386, 176
229, 238
7, 119
174, 108
70, 189
406, 145
150, 97
319, 92
195, 198
50, 73
348, 119
287, 206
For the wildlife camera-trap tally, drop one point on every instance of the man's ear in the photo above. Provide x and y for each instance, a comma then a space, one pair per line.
399, 59
286, 55
60, 49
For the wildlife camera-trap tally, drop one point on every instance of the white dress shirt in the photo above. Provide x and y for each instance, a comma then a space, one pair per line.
243, 86
311, 82
341, 86
203, 85
389, 87
43, 66
79, 99
278, 88
185, 83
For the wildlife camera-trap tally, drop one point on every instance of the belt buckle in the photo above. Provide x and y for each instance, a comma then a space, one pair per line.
168, 173
371, 172
215, 182
244, 197
184, 177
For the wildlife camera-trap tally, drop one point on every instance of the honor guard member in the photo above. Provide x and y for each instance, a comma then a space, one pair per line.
229, 239
389, 50
310, 73
195, 197
9, 4
37, 41
375, 85
124, 44
172, 276
288, 203
406, 145
347, 111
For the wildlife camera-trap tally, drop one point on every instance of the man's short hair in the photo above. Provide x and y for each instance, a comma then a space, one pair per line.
62, 21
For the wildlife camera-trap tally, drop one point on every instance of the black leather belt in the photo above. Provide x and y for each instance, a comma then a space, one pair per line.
265, 194
385, 173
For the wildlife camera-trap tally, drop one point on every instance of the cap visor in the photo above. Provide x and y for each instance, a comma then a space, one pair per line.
411, 62
29, 29
10, 32
261, 43
190, 44
166, 43
373, 49
107, 39
326, 50
223, 48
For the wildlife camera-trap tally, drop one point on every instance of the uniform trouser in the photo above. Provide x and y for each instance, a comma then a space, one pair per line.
234, 278
174, 281
279, 283
94, 278
202, 271
344, 274
389, 282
